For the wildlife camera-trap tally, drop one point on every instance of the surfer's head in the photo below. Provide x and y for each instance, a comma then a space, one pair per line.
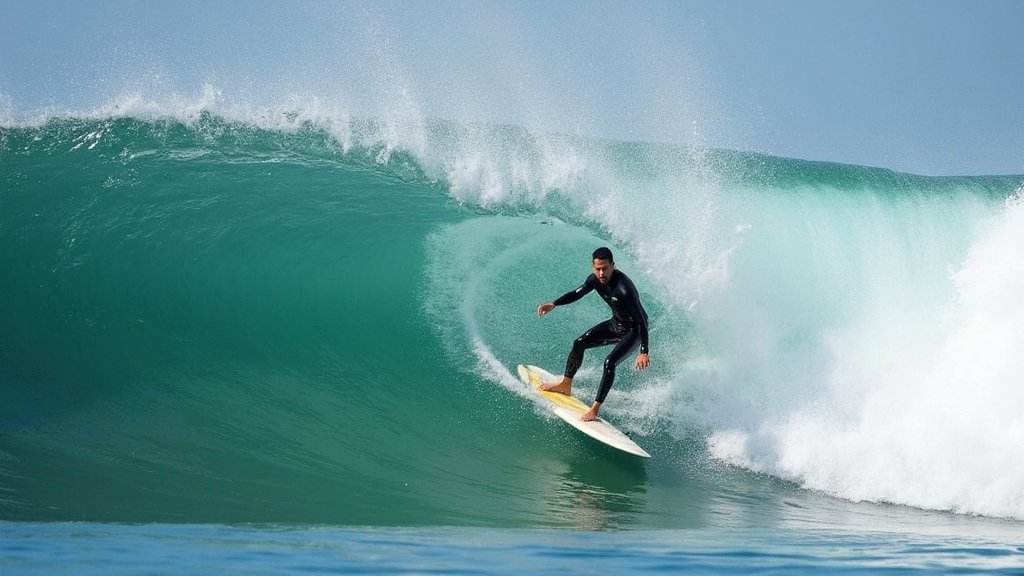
604, 264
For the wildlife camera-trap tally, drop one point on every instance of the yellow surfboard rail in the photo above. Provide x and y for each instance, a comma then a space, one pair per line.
570, 402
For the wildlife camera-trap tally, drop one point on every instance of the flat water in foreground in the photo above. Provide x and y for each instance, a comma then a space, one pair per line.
88, 548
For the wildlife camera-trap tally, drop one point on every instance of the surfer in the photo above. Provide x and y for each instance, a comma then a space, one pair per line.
627, 328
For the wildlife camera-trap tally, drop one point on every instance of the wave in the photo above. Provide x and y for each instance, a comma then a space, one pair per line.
280, 305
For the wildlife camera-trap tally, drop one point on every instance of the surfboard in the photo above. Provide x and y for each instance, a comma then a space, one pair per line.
570, 409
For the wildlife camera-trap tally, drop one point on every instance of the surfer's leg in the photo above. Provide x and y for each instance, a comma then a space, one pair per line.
600, 335
628, 343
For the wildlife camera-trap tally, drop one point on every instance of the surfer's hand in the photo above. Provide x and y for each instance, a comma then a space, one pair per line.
545, 308
642, 361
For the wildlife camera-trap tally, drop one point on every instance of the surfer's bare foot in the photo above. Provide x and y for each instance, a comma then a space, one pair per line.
562, 387
592, 413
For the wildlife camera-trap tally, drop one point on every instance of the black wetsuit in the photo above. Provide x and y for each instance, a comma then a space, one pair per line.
627, 328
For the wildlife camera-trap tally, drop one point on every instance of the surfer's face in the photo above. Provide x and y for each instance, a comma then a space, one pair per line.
603, 270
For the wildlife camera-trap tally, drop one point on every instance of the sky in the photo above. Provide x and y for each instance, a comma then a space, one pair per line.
923, 86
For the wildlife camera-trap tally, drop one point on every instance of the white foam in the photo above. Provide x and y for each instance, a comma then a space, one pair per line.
930, 419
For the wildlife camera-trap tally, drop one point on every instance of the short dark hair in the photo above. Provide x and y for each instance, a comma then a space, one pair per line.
604, 253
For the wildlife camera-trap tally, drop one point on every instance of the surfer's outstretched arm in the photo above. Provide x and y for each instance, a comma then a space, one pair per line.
568, 297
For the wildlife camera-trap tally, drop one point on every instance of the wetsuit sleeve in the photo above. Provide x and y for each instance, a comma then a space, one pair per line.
583, 290
637, 312
644, 344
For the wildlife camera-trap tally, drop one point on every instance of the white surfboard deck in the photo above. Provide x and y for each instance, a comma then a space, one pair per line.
570, 409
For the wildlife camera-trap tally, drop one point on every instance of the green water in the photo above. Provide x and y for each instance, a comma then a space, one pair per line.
210, 321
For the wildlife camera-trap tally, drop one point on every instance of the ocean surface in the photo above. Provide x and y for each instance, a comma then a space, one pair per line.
286, 343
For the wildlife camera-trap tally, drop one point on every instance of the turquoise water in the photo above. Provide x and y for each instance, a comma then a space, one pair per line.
287, 343
167, 549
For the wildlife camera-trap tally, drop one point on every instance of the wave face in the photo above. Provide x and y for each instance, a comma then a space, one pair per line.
300, 316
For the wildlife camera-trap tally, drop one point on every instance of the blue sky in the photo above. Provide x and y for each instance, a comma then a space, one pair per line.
924, 86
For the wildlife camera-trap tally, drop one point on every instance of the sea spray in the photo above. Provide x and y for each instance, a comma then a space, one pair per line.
918, 379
